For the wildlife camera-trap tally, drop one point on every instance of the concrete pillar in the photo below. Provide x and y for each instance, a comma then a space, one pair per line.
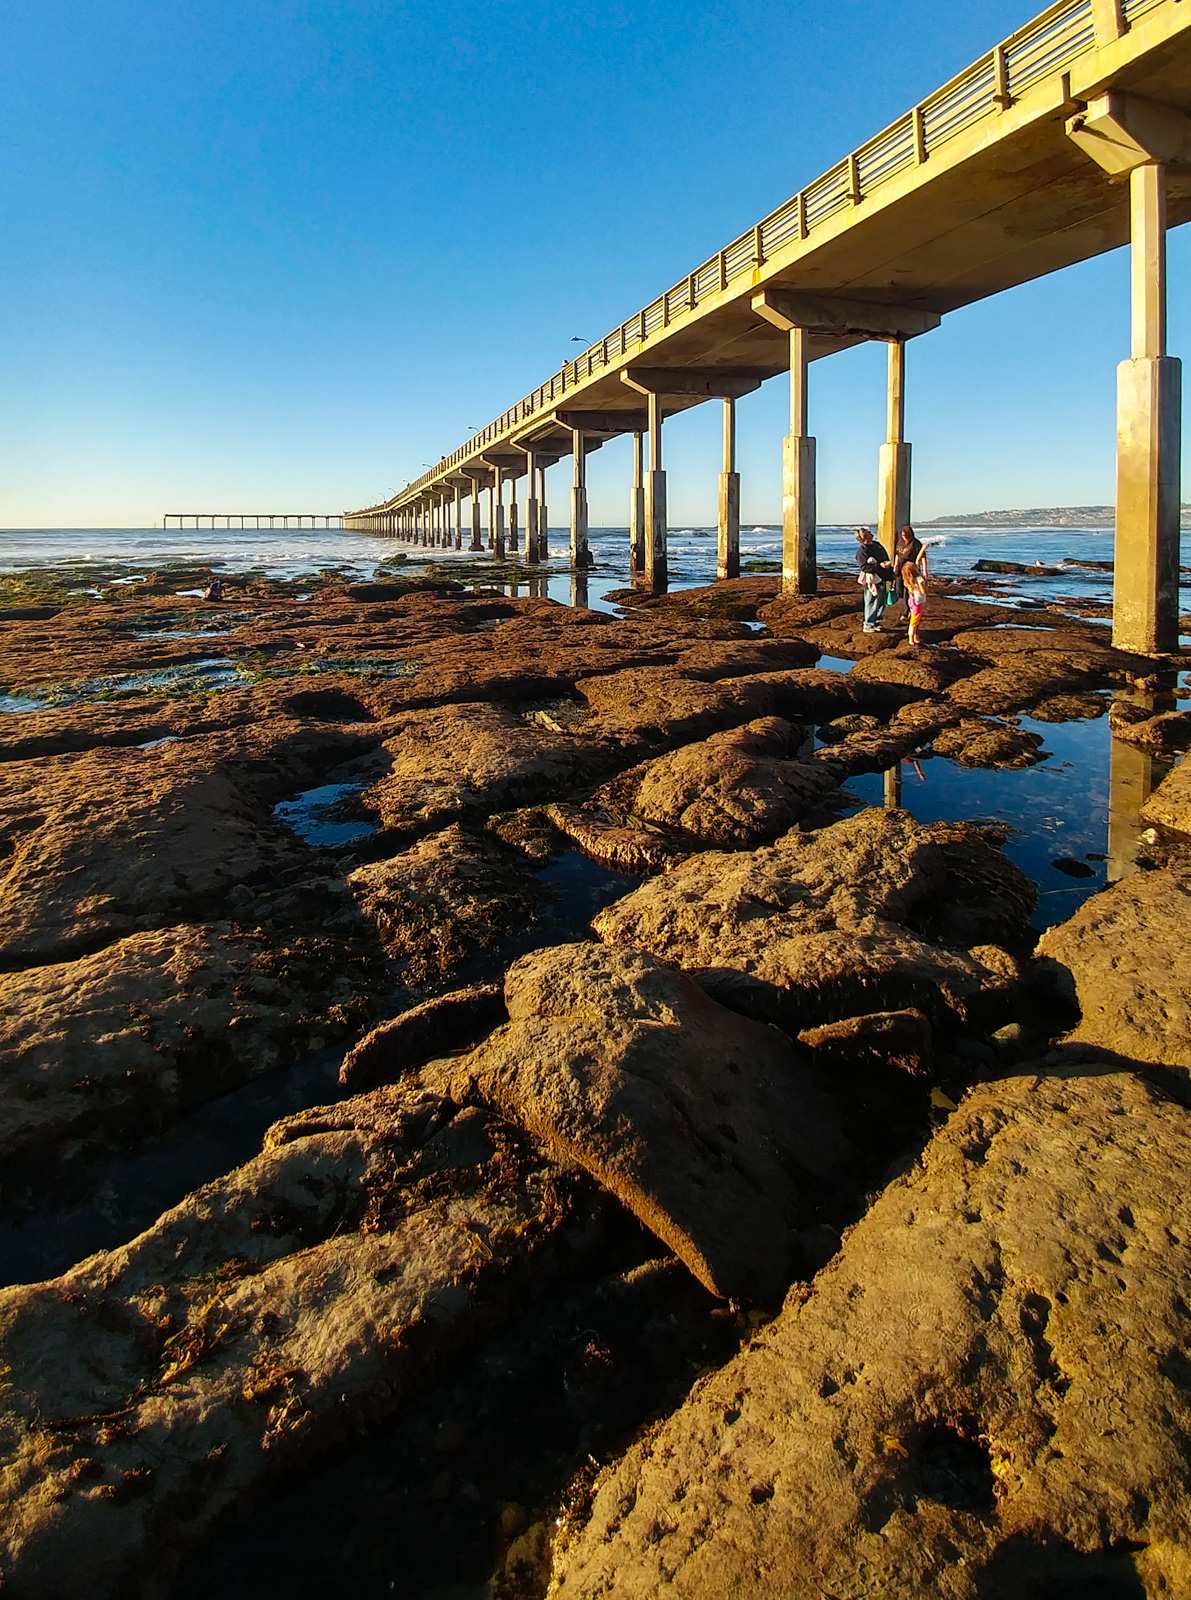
637, 513
476, 543
498, 532
458, 517
656, 575
1145, 611
513, 535
799, 556
492, 515
532, 553
727, 562
580, 554
1133, 774
543, 517
579, 587
893, 490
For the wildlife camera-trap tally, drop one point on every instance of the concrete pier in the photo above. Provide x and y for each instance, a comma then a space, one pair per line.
799, 507
637, 512
580, 555
893, 489
656, 575
532, 552
1070, 138
727, 563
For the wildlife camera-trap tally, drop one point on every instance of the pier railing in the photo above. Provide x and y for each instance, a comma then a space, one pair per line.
1047, 45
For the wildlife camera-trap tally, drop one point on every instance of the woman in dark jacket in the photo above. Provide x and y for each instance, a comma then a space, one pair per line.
909, 547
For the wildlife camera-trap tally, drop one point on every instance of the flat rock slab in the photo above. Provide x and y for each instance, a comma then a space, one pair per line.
1123, 959
709, 1127
614, 840
875, 912
114, 1046
1170, 804
451, 762
110, 842
984, 742
399, 1045
982, 1397
435, 905
269, 1318
742, 786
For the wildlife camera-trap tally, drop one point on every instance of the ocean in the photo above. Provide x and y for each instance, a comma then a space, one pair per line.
293, 553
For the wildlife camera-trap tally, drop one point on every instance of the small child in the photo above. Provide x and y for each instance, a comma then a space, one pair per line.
915, 587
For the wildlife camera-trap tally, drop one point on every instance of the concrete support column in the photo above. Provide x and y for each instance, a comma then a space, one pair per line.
543, 517
1145, 611
656, 574
637, 513
513, 519
580, 554
892, 786
727, 561
893, 491
532, 553
458, 517
498, 527
475, 517
799, 554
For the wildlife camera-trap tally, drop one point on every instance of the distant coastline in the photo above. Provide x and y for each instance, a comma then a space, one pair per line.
1041, 517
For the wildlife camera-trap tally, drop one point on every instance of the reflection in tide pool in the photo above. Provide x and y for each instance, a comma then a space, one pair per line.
327, 815
1075, 818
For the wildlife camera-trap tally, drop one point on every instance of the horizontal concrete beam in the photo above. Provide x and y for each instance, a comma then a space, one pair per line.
710, 382
546, 454
822, 313
610, 423
1123, 131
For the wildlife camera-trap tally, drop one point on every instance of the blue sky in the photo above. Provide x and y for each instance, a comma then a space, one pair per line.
277, 255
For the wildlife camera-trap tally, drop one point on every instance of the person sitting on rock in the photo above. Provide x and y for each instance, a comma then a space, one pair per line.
875, 573
214, 590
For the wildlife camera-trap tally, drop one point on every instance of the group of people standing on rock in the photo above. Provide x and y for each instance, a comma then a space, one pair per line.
890, 582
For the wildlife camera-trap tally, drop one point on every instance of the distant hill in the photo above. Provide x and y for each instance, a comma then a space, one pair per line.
1039, 517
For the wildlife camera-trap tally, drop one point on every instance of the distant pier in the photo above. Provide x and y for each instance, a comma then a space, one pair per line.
259, 519
1069, 138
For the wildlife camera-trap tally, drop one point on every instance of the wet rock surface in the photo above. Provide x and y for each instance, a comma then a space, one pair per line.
708, 1127
434, 905
874, 912
112, 1045
967, 1402
1170, 804
1120, 960
275, 1313
569, 1182
741, 786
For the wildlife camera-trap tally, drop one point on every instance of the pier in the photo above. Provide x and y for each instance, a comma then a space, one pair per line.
1070, 138
259, 519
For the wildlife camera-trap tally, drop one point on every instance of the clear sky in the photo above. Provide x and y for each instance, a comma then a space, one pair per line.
278, 254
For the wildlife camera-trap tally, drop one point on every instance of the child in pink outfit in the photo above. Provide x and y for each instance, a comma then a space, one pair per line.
915, 585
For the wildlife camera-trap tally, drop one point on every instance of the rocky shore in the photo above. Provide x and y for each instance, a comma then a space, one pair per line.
680, 1174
